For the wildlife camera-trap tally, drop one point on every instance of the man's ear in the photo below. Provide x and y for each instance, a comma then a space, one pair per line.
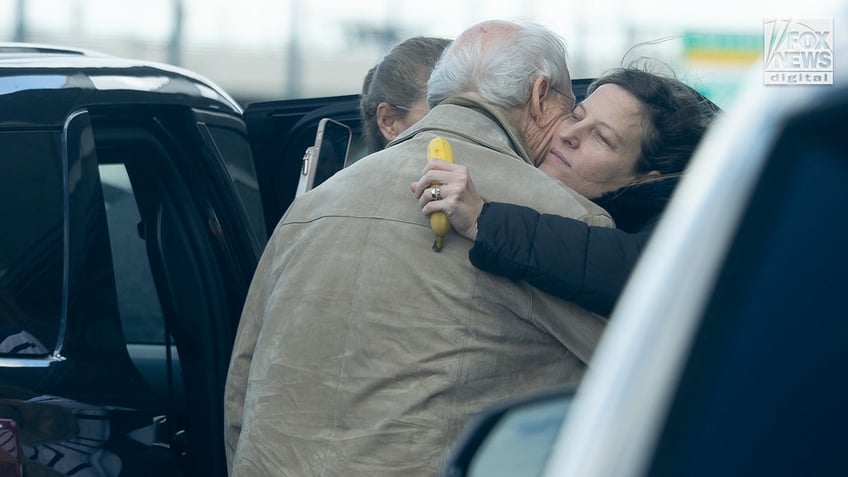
539, 96
387, 121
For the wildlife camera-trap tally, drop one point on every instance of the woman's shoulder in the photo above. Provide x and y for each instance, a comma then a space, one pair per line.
635, 206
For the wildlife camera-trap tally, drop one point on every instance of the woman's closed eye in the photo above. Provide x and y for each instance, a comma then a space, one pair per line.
602, 138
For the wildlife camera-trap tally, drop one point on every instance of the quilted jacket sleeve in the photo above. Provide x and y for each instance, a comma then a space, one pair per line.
558, 255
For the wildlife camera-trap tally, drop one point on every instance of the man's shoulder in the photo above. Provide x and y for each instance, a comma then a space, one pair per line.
523, 184
460, 121
595, 214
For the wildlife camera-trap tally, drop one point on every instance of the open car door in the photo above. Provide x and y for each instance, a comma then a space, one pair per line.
280, 133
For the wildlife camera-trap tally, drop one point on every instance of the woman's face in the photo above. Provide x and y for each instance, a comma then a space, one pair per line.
597, 147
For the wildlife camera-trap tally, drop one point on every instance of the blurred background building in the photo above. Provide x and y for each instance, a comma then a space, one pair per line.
279, 49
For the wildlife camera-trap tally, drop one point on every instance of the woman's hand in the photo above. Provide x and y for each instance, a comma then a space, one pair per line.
459, 200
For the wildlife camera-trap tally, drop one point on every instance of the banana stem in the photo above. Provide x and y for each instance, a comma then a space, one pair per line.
437, 244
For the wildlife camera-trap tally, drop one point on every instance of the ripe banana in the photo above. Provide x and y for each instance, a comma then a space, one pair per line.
439, 148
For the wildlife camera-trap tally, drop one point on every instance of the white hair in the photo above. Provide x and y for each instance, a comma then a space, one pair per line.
500, 69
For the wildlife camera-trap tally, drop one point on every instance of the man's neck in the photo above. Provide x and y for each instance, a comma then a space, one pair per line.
505, 117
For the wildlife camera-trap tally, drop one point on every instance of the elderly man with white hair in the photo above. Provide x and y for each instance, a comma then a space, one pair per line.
360, 350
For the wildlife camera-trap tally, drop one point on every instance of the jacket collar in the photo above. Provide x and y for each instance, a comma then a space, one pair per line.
477, 121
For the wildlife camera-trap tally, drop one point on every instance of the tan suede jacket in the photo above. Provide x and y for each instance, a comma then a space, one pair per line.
361, 352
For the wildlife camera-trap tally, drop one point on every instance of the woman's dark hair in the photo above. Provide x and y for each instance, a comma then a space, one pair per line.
400, 80
676, 117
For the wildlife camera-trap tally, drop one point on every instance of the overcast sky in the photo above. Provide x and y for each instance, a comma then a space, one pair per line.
255, 33
259, 23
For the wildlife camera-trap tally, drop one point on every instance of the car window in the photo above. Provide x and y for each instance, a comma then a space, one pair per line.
31, 242
235, 151
93, 317
141, 313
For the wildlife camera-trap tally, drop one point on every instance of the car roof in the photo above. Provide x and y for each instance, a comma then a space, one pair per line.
76, 78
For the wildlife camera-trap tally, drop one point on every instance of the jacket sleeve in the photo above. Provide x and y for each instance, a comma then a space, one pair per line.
558, 255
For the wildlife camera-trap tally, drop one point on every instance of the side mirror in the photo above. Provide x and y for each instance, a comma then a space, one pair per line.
512, 438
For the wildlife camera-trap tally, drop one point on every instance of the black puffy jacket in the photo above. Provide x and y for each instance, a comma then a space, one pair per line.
565, 257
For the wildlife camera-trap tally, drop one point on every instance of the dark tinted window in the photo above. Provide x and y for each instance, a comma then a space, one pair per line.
31, 239
235, 150
141, 313
93, 319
